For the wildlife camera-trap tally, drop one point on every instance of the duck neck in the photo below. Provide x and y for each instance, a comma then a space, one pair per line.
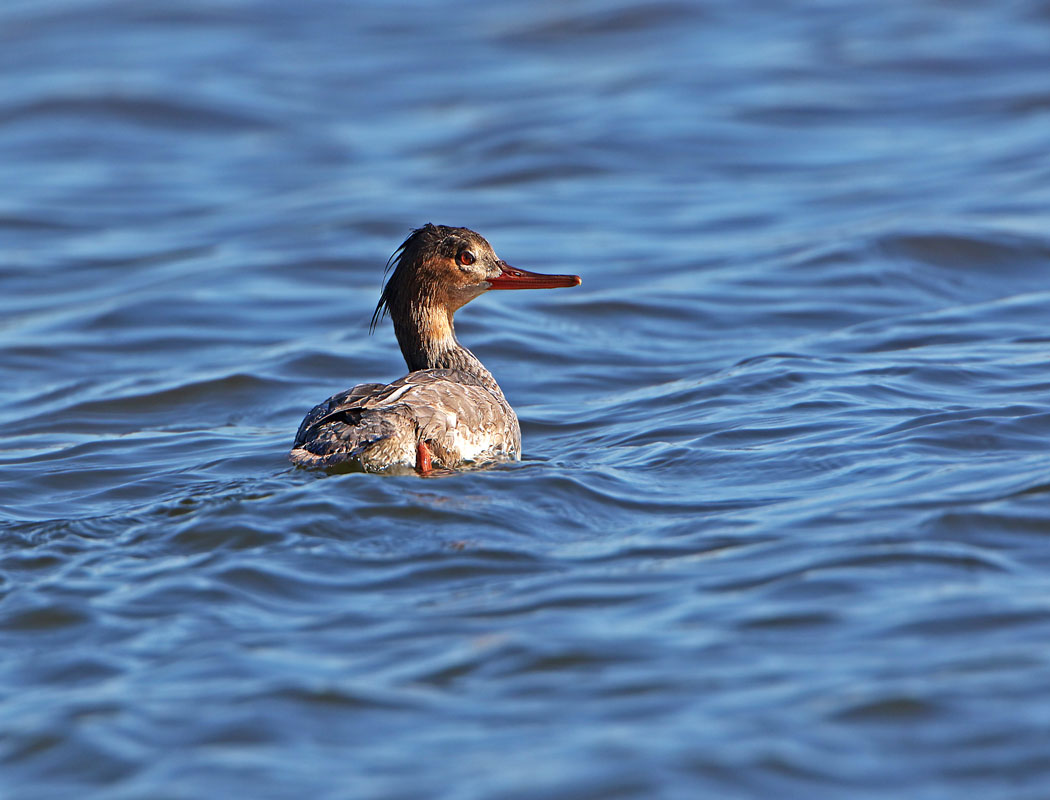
428, 341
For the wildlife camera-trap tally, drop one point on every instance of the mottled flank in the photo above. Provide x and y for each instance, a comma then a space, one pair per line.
449, 402
377, 425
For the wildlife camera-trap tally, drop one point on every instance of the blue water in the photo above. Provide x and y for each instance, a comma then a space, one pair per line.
781, 525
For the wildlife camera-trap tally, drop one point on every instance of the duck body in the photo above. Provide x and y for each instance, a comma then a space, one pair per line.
448, 411
380, 426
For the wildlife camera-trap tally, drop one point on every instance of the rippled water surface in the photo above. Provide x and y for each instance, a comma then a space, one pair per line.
781, 528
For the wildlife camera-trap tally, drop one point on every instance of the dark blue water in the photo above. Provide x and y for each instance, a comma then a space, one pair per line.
781, 527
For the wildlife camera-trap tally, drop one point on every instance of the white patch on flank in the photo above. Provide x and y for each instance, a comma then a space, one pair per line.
467, 447
397, 395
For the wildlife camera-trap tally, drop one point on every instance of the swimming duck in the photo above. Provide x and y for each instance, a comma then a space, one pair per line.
448, 411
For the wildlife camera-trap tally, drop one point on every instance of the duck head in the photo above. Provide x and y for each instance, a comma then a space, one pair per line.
439, 269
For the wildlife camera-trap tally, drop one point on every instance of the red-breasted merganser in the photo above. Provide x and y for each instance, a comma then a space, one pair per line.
448, 411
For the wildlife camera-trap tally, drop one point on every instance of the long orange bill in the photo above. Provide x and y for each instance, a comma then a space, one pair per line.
512, 278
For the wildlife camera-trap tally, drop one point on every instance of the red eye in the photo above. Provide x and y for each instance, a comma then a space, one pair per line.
465, 258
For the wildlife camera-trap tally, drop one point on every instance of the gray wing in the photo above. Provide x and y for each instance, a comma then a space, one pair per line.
337, 401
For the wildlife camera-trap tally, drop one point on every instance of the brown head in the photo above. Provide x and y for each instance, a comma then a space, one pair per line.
442, 268
437, 270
